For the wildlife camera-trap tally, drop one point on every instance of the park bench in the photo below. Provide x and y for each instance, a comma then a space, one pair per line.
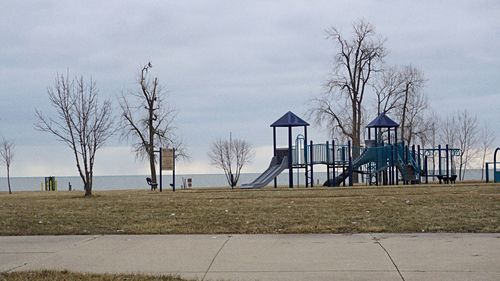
153, 185
447, 179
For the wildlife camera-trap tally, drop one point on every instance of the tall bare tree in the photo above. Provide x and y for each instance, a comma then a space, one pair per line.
148, 119
82, 122
231, 155
412, 103
357, 58
388, 89
6, 157
467, 138
486, 139
460, 130
399, 92
431, 134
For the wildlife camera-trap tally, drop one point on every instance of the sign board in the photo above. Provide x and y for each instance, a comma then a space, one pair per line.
167, 159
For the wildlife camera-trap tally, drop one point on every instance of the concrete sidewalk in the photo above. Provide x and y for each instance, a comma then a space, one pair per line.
264, 257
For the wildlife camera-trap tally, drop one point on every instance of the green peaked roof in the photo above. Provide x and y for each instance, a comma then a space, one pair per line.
289, 120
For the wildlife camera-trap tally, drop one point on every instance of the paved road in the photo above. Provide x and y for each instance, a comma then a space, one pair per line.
264, 257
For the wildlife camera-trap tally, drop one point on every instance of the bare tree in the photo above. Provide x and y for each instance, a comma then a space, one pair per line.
412, 103
431, 121
460, 130
486, 139
430, 135
399, 92
388, 89
82, 122
448, 131
148, 118
341, 108
467, 138
6, 157
231, 155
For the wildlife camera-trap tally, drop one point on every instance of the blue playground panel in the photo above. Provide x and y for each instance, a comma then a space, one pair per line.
497, 176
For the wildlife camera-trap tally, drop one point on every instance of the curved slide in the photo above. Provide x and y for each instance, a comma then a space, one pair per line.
408, 171
368, 155
275, 168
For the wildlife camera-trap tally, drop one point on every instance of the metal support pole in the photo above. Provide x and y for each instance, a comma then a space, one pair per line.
440, 167
397, 159
312, 164
426, 169
487, 173
343, 172
447, 162
413, 153
274, 153
305, 156
419, 166
333, 159
495, 171
327, 161
391, 166
290, 168
173, 170
350, 163
161, 168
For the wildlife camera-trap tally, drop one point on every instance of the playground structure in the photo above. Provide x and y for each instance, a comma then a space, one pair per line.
496, 168
383, 160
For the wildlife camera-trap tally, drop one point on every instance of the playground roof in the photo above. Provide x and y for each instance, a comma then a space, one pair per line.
289, 120
382, 121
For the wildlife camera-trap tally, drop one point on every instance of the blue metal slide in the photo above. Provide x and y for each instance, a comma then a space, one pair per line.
381, 156
277, 165
368, 155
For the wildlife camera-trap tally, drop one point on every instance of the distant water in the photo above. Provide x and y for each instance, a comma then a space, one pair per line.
139, 181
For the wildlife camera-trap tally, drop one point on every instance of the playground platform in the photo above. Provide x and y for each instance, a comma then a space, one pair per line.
441, 256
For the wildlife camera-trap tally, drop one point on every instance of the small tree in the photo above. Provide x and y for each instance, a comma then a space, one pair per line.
486, 139
231, 155
6, 156
149, 120
82, 122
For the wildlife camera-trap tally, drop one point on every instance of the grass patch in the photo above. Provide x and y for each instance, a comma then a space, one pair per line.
438, 208
47, 275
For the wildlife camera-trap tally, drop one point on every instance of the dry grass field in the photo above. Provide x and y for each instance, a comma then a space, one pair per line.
65, 276
437, 208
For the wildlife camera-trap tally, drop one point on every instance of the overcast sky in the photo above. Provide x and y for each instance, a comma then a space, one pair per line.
228, 66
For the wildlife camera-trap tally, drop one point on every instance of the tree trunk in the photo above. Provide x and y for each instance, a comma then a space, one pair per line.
152, 168
483, 164
8, 179
403, 116
88, 189
151, 153
356, 144
356, 135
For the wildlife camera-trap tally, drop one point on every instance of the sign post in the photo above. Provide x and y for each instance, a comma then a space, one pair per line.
167, 163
